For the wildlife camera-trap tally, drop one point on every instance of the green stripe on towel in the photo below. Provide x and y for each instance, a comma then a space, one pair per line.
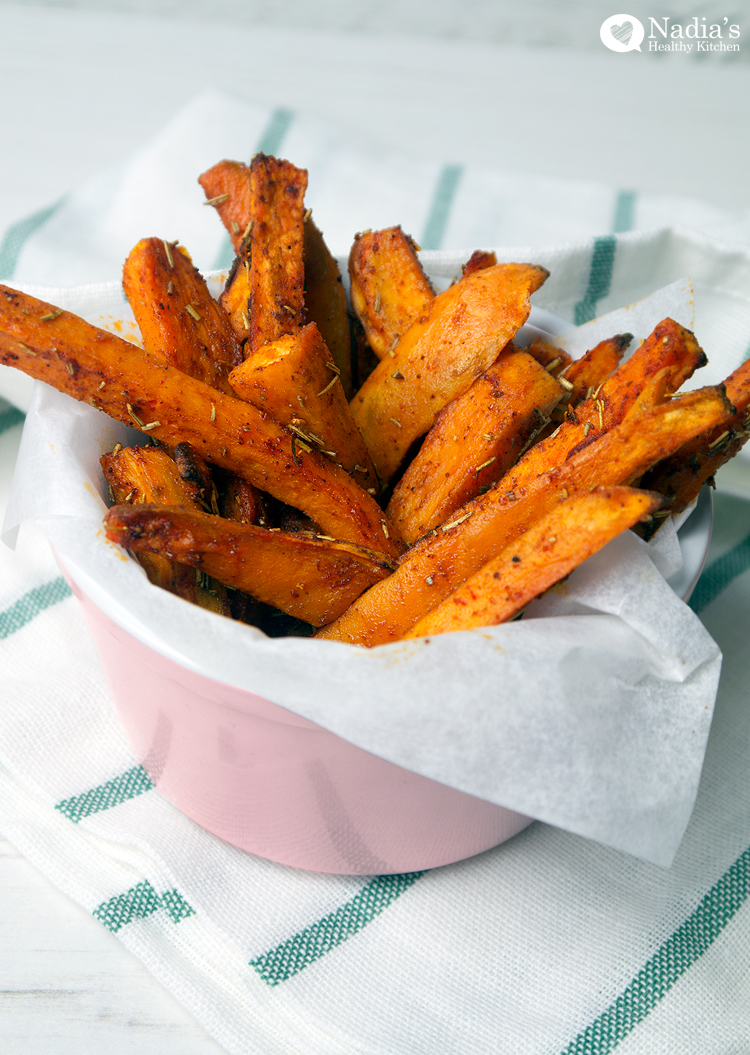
31, 604
274, 133
600, 278
127, 786
10, 417
138, 903
270, 141
677, 954
440, 209
719, 574
624, 219
309, 945
18, 233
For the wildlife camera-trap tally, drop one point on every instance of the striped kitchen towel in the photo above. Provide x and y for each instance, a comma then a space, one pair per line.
547, 944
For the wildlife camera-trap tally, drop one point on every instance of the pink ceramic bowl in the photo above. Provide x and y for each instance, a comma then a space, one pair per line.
276, 784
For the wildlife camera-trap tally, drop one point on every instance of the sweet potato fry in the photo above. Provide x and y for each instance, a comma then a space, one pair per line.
680, 477
179, 319
177, 316
295, 381
556, 544
656, 369
277, 272
227, 188
143, 390
235, 297
238, 500
478, 260
581, 377
439, 357
552, 358
195, 473
139, 475
325, 301
473, 442
595, 367
662, 364
389, 289
443, 559
312, 578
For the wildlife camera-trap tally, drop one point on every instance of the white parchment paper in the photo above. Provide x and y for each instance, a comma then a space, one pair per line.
591, 713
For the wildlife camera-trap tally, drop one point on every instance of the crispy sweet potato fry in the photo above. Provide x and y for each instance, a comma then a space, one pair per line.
389, 289
680, 477
595, 367
235, 297
556, 544
277, 271
312, 578
143, 390
325, 301
656, 369
238, 500
439, 357
552, 358
478, 260
582, 377
443, 559
662, 364
473, 442
296, 382
177, 316
138, 475
195, 473
227, 188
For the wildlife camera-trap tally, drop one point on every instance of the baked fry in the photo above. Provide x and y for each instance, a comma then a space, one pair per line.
680, 477
443, 559
325, 301
582, 377
142, 390
195, 473
227, 188
478, 260
474, 441
389, 289
177, 316
595, 367
552, 358
312, 578
295, 381
662, 364
556, 544
139, 475
235, 297
277, 271
238, 500
658, 368
439, 357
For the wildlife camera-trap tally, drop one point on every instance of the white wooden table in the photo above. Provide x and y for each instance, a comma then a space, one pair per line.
83, 89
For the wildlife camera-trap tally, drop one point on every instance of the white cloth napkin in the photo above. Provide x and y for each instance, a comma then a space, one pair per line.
549, 943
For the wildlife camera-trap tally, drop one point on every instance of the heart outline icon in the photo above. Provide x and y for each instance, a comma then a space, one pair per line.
622, 33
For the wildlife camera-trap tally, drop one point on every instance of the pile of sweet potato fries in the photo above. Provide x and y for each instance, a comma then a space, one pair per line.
401, 471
